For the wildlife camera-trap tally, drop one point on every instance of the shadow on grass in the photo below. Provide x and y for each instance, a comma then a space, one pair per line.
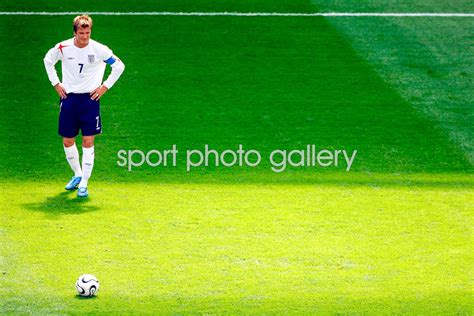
78, 297
62, 203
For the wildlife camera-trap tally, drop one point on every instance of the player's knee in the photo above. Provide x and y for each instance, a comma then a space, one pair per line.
87, 142
68, 142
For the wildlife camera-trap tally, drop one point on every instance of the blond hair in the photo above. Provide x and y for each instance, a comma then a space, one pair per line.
82, 21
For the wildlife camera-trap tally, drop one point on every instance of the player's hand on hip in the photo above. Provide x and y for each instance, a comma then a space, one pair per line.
98, 92
61, 91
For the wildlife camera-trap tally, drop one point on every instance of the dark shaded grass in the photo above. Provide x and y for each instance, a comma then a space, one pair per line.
162, 5
267, 83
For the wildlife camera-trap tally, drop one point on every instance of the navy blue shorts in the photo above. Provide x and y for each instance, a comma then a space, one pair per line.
79, 112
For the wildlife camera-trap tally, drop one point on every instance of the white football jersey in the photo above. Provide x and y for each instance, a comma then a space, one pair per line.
82, 68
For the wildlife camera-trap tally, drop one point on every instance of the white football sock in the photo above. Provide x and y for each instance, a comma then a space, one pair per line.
87, 165
72, 156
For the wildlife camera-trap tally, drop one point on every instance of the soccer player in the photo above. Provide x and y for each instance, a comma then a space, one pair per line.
83, 62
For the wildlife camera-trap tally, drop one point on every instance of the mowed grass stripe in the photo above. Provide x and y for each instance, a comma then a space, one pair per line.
281, 6
431, 70
241, 248
252, 14
166, 5
266, 83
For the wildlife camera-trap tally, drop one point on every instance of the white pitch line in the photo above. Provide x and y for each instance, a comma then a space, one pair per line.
325, 14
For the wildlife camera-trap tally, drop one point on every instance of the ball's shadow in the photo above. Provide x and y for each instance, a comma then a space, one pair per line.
78, 297
63, 203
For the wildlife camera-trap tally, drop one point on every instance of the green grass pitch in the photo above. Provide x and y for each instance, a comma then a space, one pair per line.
394, 235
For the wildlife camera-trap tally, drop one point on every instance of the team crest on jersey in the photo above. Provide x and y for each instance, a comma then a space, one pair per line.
91, 58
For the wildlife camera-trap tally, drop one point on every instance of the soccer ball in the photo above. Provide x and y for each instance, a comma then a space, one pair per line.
87, 285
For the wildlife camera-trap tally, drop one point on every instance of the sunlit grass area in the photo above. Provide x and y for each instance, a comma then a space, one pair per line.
243, 248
